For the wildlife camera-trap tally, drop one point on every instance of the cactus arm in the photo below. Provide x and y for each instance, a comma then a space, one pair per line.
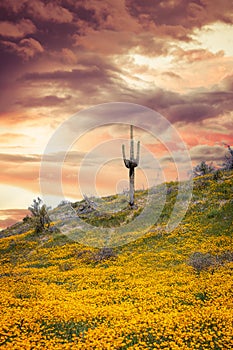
123, 152
131, 143
126, 161
138, 151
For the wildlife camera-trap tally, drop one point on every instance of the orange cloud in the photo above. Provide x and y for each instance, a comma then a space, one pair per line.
195, 55
49, 11
26, 48
17, 30
58, 57
8, 217
20, 172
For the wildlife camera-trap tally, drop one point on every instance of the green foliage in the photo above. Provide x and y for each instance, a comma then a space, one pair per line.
40, 217
66, 331
203, 168
203, 296
213, 213
217, 175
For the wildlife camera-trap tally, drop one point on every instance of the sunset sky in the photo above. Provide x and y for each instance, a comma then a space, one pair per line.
63, 56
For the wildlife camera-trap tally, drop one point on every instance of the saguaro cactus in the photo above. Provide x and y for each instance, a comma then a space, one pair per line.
131, 164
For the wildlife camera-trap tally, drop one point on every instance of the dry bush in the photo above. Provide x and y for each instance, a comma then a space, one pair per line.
204, 261
201, 261
225, 257
104, 253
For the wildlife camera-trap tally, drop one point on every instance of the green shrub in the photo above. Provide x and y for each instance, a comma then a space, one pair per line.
40, 217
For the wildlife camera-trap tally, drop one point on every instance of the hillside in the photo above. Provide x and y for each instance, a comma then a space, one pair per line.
164, 290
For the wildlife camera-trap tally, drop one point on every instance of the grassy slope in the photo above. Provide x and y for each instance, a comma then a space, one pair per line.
55, 295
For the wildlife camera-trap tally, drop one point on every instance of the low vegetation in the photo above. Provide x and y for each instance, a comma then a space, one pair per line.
165, 290
40, 218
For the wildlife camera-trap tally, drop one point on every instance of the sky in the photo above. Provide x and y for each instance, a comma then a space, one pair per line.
61, 57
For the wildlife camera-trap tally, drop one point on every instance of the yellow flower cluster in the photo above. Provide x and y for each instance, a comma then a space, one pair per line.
52, 297
141, 301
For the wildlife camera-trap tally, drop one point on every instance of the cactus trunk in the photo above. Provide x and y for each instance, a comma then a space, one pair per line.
131, 187
131, 164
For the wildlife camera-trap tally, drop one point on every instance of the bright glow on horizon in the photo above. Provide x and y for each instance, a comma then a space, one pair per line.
16, 197
215, 37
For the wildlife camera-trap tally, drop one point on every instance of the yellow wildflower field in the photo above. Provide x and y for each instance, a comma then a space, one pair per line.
54, 295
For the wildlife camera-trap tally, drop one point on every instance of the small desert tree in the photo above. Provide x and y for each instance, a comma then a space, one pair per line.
228, 165
203, 168
40, 217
